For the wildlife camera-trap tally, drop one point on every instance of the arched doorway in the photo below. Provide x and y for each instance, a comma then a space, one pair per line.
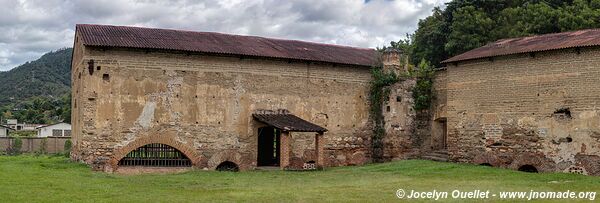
156, 155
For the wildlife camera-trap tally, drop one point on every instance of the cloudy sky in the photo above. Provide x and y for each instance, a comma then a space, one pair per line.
29, 28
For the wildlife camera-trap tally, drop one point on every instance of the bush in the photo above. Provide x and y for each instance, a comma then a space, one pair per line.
43, 147
423, 90
68, 145
15, 147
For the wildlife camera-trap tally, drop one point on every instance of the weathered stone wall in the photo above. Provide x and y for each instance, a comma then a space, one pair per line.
202, 105
539, 109
435, 117
428, 126
400, 141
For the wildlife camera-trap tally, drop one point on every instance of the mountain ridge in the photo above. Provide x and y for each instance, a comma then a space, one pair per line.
48, 76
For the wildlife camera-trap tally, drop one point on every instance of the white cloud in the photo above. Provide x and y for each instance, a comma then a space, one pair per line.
29, 28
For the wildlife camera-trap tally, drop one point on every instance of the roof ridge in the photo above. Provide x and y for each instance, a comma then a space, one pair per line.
545, 35
221, 33
534, 43
222, 43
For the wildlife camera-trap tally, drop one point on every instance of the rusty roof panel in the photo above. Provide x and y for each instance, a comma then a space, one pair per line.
218, 43
288, 122
563, 40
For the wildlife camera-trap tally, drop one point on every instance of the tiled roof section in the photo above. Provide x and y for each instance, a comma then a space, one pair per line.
218, 43
288, 122
563, 40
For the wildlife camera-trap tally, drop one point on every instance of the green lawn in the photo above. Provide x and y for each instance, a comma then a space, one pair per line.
55, 179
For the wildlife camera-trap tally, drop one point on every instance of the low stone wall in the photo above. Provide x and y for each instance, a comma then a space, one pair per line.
34, 144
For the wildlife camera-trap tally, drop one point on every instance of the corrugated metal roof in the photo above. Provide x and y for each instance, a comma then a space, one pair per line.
563, 40
218, 43
288, 122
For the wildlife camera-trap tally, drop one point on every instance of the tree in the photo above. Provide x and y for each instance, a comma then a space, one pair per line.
429, 40
582, 14
470, 29
467, 24
423, 90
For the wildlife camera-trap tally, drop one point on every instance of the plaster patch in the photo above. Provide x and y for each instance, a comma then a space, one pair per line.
147, 116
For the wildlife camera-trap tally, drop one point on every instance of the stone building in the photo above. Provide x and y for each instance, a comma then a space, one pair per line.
147, 99
156, 97
530, 103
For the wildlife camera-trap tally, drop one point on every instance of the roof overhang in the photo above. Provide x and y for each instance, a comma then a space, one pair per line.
108, 36
45, 126
532, 44
287, 122
3, 126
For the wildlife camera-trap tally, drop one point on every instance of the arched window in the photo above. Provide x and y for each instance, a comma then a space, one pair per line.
156, 155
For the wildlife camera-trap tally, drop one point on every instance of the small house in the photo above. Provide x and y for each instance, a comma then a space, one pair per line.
55, 130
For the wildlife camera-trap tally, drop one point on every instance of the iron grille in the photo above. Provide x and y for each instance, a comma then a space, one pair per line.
156, 154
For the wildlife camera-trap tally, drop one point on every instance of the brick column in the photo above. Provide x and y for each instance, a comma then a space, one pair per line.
284, 150
319, 143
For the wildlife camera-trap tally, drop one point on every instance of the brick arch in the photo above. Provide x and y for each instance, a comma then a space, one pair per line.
539, 161
492, 158
223, 156
188, 151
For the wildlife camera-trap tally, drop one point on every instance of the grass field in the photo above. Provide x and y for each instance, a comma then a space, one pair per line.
56, 179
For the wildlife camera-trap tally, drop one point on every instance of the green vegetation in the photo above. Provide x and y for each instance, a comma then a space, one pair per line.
40, 110
43, 147
423, 90
378, 94
38, 91
23, 133
55, 179
68, 146
15, 147
467, 24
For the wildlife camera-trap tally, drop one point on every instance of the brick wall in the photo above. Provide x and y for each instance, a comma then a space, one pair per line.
509, 111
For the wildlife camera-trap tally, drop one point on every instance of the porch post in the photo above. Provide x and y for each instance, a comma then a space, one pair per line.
284, 155
319, 143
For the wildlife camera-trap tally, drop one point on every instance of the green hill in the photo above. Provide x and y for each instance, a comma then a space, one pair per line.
48, 76
38, 91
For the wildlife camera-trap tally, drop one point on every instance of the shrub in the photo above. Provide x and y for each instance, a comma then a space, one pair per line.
423, 90
43, 147
67, 148
15, 147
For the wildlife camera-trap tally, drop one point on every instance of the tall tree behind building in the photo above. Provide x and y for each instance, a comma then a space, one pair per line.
467, 24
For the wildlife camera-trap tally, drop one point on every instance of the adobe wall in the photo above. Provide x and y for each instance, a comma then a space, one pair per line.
401, 124
401, 140
429, 123
202, 105
510, 111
